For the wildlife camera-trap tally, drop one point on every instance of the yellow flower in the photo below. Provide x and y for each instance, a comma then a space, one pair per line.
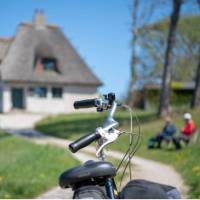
1, 179
196, 169
7, 196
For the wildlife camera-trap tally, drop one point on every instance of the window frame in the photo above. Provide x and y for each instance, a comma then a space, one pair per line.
45, 61
34, 92
60, 96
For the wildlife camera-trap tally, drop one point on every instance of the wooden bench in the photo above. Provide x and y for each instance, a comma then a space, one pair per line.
169, 143
194, 137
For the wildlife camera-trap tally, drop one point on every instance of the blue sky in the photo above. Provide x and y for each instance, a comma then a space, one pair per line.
99, 30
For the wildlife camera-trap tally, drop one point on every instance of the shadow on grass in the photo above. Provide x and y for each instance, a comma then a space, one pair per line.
3, 134
72, 126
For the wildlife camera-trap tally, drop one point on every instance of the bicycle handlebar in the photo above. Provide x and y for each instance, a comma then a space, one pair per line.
88, 103
83, 142
108, 102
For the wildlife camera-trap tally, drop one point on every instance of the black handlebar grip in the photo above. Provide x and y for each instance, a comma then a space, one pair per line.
88, 103
83, 142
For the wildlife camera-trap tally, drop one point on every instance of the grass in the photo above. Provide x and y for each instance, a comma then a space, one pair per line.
186, 161
75, 125
3, 134
27, 169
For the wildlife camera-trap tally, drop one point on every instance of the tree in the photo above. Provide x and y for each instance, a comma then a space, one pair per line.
196, 95
166, 80
130, 99
141, 15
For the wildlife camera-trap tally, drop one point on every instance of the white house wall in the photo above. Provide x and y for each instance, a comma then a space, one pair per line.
6, 97
1, 96
74, 93
60, 105
44, 105
49, 104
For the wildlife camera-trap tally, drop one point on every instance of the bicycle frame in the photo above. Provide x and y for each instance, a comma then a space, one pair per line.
109, 124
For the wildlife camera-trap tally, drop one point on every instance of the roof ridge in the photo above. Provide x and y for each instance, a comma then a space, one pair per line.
6, 39
30, 24
9, 42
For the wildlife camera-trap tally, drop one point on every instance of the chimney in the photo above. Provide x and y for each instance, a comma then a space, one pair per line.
39, 19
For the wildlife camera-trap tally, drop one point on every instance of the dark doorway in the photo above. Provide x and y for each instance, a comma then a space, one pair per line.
17, 98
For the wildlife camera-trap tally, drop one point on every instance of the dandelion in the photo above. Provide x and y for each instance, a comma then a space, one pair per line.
7, 196
196, 169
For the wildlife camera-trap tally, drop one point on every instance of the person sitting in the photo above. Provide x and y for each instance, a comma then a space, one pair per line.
187, 131
166, 134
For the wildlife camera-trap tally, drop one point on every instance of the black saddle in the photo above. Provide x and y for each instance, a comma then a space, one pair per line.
89, 171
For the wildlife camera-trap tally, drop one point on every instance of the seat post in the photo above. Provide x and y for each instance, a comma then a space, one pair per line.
109, 188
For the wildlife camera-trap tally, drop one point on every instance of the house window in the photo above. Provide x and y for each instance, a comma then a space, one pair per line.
46, 64
49, 64
38, 92
31, 91
57, 92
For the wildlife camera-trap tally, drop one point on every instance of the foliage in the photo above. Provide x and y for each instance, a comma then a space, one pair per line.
27, 169
152, 41
181, 97
178, 98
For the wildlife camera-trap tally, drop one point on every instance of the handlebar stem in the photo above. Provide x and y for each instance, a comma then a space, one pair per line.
110, 122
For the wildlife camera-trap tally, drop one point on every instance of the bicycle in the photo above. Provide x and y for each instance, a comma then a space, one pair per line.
95, 179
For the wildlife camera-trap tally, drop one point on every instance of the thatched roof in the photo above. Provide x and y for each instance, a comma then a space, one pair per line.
39, 38
4, 45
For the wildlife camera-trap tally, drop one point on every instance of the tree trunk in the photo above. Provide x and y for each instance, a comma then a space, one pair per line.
196, 94
131, 92
166, 80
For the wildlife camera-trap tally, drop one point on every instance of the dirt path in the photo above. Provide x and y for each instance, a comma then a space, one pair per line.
19, 120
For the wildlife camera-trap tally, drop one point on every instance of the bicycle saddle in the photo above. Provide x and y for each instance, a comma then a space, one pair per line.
89, 170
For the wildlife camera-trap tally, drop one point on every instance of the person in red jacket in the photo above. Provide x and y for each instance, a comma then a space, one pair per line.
187, 131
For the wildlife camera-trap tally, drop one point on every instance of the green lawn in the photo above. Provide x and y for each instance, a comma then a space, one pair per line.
75, 125
27, 169
186, 161
3, 134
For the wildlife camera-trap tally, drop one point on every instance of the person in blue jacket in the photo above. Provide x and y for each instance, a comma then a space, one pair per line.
166, 134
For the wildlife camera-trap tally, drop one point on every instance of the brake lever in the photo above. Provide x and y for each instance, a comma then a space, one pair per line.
108, 137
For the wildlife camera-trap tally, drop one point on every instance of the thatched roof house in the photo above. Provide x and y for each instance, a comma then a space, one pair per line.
41, 71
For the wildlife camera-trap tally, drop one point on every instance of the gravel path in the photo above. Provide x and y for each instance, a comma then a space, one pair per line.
21, 124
